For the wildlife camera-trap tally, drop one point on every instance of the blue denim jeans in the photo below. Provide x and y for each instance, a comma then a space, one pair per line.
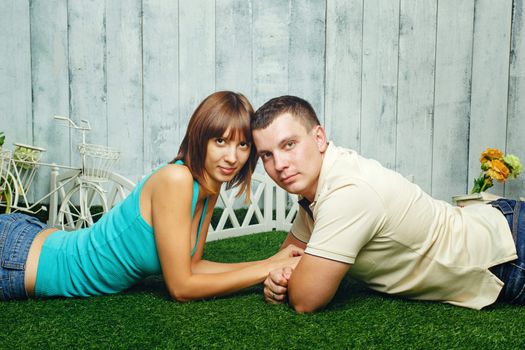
512, 273
17, 232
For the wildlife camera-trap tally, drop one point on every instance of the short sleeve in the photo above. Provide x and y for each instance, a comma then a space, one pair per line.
302, 226
346, 219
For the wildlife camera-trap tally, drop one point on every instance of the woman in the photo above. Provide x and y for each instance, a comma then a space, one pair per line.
160, 227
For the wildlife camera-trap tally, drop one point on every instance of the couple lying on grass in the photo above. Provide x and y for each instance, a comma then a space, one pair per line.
355, 217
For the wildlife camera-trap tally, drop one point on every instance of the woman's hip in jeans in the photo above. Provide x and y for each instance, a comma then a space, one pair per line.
17, 233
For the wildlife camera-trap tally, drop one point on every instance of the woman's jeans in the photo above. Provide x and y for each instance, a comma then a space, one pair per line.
17, 232
512, 273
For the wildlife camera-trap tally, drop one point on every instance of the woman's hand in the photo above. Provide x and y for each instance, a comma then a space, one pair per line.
288, 252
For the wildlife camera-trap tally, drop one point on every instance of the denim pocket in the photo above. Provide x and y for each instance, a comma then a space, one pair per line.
34, 221
13, 265
18, 244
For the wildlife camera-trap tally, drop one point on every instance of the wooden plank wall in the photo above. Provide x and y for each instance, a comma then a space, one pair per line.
421, 85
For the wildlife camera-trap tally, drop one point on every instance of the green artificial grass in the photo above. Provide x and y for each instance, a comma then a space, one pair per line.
145, 317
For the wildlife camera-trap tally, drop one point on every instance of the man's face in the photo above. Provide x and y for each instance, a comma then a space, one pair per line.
292, 155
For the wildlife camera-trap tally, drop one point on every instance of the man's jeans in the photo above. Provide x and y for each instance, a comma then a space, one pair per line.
513, 273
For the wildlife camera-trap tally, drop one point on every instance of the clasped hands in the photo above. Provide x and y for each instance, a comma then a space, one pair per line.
276, 283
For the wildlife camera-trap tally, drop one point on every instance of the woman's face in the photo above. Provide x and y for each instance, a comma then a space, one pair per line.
226, 155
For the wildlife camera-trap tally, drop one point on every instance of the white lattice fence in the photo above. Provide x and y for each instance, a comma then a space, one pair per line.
267, 210
269, 207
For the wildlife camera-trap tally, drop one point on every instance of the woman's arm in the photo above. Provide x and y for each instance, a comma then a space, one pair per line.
206, 266
171, 218
199, 265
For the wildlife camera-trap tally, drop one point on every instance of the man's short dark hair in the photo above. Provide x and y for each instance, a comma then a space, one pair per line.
277, 106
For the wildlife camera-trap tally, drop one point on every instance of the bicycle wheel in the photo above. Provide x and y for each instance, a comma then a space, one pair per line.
82, 206
116, 188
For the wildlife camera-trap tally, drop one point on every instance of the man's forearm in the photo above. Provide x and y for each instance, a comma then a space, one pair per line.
314, 283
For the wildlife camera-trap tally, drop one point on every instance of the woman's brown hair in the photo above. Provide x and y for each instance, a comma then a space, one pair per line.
218, 112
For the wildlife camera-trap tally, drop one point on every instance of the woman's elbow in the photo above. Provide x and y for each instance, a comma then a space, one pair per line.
180, 299
180, 295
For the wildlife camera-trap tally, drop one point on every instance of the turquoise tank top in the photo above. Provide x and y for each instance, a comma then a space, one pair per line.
112, 255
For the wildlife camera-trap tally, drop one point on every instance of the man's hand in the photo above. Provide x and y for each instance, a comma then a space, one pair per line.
276, 285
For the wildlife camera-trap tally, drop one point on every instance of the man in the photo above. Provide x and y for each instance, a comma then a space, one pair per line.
358, 217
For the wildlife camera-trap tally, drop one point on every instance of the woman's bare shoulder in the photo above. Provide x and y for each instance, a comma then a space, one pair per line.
173, 175
169, 182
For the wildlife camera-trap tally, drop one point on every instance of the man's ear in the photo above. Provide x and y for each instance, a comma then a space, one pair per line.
320, 138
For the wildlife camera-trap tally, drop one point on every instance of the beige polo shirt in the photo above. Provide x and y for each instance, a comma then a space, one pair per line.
399, 239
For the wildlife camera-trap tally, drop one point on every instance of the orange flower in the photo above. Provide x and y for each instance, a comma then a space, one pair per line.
495, 166
498, 170
490, 154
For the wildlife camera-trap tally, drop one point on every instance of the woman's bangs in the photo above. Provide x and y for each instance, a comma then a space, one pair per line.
238, 127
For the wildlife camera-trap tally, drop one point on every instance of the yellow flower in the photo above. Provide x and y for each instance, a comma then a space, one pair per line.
498, 170
495, 166
490, 154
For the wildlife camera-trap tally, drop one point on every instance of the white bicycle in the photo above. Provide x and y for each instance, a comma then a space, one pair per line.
78, 196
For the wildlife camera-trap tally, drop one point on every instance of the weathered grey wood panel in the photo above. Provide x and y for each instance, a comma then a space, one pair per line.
271, 39
306, 70
196, 56
124, 83
417, 43
452, 97
234, 46
344, 32
380, 70
516, 109
160, 81
15, 72
50, 82
87, 69
421, 85
490, 79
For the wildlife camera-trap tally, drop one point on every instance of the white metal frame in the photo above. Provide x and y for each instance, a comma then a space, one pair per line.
87, 185
115, 189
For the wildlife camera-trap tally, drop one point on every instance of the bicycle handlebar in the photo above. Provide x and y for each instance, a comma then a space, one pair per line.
85, 127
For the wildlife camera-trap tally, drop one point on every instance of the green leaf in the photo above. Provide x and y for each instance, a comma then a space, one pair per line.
478, 184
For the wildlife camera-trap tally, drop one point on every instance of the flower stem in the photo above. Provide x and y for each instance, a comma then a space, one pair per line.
487, 183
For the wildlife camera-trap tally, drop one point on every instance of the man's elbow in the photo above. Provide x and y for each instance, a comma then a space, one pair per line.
305, 303
302, 306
